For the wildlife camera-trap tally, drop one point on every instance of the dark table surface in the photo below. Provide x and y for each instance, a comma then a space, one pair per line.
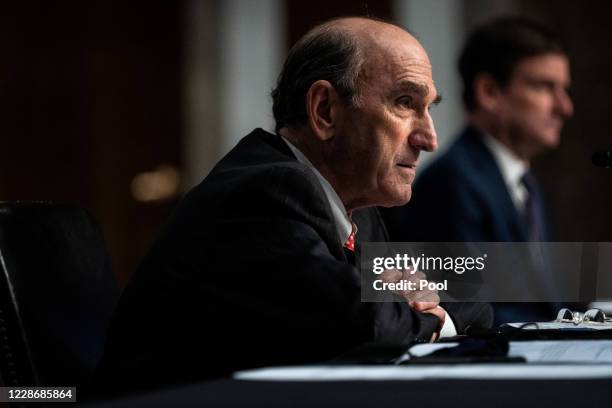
455, 393
422, 393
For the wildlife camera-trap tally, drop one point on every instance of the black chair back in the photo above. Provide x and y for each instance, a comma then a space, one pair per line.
57, 293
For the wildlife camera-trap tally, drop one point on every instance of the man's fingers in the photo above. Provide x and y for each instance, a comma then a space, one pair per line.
419, 300
423, 306
415, 276
391, 275
438, 312
422, 296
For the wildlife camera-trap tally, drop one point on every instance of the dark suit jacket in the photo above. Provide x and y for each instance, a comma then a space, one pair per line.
250, 272
462, 197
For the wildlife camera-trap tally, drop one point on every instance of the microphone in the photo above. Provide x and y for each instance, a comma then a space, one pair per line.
602, 159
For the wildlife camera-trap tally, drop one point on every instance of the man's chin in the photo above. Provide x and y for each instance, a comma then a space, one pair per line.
399, 198
550, 139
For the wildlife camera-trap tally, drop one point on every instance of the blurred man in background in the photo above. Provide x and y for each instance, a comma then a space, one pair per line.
515, 76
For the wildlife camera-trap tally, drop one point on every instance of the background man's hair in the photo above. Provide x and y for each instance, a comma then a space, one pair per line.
327, 52
496, 48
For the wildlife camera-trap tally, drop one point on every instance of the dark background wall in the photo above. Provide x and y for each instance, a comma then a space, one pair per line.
303, 15
89, 97
579, 194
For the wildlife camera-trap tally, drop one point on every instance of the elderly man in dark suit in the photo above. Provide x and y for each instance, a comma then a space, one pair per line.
256, 266
515, 75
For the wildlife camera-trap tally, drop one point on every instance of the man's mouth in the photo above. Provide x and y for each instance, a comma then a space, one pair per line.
407, 165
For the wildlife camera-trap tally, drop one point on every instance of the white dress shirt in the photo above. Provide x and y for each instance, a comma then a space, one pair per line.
512, 170
344, 225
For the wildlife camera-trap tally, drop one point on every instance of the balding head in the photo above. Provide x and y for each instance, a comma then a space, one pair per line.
338, 51
373, 35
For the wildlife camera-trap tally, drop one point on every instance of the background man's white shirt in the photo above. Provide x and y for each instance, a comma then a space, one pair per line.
512, 170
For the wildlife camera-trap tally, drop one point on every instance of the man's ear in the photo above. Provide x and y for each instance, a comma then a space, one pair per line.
322, 102
487, 92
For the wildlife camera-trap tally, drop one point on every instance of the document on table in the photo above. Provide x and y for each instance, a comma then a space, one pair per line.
424, 372
586, 326
539, 351
563, 351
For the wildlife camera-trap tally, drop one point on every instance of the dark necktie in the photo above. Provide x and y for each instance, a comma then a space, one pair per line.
536, 232
533, 213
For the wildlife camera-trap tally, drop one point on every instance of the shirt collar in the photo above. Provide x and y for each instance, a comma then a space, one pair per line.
511, 167
343, 222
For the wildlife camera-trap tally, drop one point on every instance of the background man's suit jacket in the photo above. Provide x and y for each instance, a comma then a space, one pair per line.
462, 197
250, 272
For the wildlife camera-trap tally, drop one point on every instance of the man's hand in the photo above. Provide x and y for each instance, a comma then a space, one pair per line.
422, 300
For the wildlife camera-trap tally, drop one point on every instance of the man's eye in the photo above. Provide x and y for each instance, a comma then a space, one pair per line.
406, 101
542, 86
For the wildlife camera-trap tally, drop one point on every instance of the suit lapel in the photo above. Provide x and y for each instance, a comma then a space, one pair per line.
326, 229
495, 187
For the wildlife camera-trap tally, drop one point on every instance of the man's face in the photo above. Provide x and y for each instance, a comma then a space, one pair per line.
378, 143
535, 103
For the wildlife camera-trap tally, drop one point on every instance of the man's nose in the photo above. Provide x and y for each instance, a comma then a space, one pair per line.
563, 103
424, 136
